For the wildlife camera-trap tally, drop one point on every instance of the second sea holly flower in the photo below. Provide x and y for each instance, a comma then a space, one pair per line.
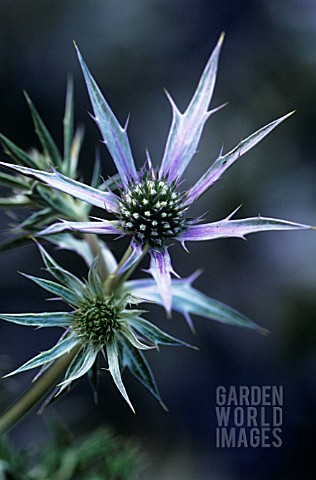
151, 206
100, 325
97, 325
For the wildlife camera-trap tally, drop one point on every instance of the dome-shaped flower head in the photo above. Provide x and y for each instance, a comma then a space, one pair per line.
150, 206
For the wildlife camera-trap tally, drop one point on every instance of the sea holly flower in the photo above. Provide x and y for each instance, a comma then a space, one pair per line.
109, 325
151, 206
97, 323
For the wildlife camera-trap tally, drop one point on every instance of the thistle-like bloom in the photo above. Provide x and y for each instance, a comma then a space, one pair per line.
97, 324
151, 207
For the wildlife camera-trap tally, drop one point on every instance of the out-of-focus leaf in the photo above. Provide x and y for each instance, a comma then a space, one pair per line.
75, 151
68, 129
16, 153
12, 181
15, 201
69, 186
48, 144
37, 218
15, 242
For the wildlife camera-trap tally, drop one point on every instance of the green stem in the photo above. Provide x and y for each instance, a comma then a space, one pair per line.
93, 242
115, 280
34, 394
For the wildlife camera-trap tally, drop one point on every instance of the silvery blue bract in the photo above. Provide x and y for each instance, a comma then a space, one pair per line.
150, 206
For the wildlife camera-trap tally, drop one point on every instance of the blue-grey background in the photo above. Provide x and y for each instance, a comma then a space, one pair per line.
267, 68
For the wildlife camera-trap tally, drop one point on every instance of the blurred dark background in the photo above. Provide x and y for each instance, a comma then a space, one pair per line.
267, 68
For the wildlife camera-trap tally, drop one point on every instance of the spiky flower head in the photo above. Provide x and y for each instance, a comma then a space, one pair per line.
109, 324
98, 323
98, 320
150, 206
153, 211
